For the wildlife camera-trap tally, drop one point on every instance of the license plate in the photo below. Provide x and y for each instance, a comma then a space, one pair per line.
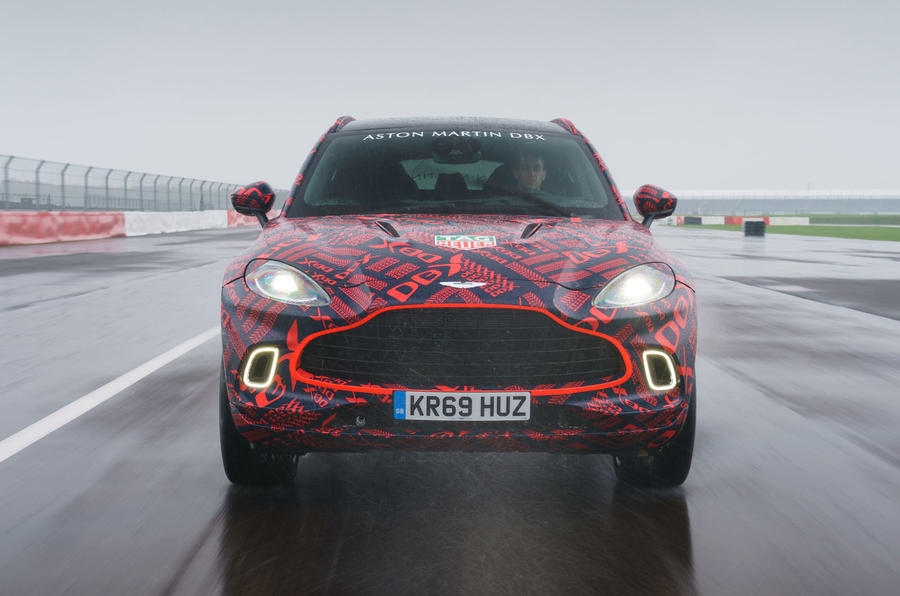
462, 406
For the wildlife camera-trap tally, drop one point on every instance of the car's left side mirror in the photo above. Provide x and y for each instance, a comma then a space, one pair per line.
255, 200
654, 203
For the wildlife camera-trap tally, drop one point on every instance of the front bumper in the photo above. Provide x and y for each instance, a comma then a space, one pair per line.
589, 425
298, 414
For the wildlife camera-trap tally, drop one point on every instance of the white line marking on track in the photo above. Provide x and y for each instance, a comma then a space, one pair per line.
43, 427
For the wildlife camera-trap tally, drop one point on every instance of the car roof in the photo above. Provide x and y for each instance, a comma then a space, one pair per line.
456, 122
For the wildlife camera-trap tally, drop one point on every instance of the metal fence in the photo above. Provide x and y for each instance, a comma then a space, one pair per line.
38, 184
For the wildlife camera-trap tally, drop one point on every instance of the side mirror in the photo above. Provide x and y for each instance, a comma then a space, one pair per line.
653, 203
254, 199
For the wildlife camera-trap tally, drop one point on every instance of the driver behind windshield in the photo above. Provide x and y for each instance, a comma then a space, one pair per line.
361, 174
529, 172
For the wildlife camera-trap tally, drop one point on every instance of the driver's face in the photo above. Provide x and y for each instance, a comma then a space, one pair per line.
530, 173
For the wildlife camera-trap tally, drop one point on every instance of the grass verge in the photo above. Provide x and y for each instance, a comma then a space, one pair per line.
890, 219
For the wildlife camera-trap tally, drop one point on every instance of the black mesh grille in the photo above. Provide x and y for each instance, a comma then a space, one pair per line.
478, 347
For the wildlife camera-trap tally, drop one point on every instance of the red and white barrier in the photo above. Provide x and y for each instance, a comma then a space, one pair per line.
788, 221
236, 219
34, 227
39, 227
738, 220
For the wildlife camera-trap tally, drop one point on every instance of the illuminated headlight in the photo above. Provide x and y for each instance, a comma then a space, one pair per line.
282, 282
638, 285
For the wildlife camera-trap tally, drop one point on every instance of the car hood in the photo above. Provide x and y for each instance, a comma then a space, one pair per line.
577, 253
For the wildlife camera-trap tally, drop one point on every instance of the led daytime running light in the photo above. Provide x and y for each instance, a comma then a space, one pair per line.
652, 379
272, 354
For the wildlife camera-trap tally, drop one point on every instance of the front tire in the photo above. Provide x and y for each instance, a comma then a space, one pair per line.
244, 464
664, 467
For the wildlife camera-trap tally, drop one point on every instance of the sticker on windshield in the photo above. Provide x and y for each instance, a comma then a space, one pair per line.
406, 134
465, 242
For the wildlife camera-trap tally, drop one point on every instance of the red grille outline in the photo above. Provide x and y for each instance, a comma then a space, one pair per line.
306, 377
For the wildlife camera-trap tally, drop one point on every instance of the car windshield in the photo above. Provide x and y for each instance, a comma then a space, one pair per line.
454, 171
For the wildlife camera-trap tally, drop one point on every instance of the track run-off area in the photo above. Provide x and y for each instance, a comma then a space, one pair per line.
111, 480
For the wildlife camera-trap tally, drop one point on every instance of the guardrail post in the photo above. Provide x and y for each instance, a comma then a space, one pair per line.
155, 203
180, 200
202, 184
141, 191
86, 187
126, 187
6, 180
108, 174
191, 193
62, 184
169, 194
37, 183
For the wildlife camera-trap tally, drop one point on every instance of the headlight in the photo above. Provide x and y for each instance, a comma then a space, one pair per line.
638, 285
284, 283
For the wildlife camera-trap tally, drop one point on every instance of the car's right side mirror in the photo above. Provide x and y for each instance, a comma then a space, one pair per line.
654, 203
255, 200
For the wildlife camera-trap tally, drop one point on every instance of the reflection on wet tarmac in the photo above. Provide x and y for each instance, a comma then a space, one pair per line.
456, 523
794, 487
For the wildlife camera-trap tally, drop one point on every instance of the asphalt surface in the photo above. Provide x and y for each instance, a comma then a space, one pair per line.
794, 488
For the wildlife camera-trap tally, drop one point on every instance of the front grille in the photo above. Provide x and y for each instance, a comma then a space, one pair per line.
486, 348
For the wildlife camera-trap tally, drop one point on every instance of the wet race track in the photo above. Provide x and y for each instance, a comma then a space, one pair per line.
795, 487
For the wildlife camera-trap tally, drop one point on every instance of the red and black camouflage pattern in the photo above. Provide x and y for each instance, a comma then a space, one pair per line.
654, 201
365, 270
338, 125
253, 198
568, 125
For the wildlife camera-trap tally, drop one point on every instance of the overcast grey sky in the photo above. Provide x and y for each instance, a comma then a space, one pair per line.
749, 95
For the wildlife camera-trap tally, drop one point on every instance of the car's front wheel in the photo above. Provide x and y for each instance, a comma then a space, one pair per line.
667, 466
244, 463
